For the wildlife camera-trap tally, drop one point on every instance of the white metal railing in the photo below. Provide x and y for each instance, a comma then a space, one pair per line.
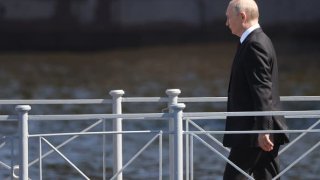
288, 114
175, 118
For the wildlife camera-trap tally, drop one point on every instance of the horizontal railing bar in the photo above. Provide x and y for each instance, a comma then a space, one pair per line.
300, 98
167, 115
193, 115
186, 132
251, 113
145, 99
287, 117
55, 101
255, 132
302, 116
207, 118
149, 116
224, 99
138, 99
8, 118
99, 133
201, 99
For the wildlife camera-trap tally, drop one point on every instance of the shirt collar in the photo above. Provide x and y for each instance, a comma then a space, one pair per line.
248, 31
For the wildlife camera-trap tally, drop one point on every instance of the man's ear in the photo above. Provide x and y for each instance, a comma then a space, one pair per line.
243, 16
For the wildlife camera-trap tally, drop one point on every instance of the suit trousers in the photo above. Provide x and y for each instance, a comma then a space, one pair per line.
254, 161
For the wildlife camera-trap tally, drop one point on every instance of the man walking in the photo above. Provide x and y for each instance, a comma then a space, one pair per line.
253, 86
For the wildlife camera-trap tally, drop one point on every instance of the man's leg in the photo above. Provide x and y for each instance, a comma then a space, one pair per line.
268, 165
245, 158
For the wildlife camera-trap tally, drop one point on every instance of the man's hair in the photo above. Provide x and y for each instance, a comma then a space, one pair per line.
250, 7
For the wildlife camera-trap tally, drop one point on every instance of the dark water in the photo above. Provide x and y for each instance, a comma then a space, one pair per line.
196, 69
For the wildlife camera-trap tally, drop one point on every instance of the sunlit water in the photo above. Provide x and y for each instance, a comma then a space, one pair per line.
198, 70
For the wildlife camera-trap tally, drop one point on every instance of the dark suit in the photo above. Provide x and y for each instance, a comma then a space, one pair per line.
253, 86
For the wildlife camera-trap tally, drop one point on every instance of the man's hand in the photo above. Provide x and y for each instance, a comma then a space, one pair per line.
265, 142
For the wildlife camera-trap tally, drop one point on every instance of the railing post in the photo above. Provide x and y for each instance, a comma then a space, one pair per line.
23, 140
117, 126
173, 99
178, 140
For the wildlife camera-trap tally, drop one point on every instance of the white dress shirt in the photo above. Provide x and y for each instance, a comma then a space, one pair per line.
248, 31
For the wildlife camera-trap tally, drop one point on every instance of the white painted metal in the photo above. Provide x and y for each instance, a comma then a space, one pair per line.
8, 118
255, 132
176, 143
4, 142
117, 138
23, 140
173, 99
143, 99
187, 150
104, 156
56, 101
94, 133
4, 165
160, 155
310, 129
193, 115
12, 155
65, 158
178, 140
40, 158
209, 115
297, 160
298, 138
191, 158
147, 116
135, 156
208, 135
222, 156
75, 135
224, 99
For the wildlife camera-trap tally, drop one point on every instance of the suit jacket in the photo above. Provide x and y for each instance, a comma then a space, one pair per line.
253, 86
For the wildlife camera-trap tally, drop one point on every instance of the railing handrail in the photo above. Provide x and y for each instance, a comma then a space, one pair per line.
157, 116
139, 100
174, 115
54, 101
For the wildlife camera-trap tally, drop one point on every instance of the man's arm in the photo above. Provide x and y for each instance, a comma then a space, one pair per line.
258, 70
